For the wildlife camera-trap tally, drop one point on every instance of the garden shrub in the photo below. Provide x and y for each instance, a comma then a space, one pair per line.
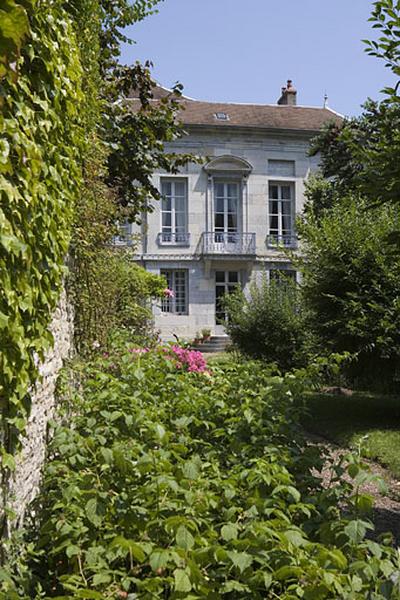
113, 294
268, 322
178, 484
351, 286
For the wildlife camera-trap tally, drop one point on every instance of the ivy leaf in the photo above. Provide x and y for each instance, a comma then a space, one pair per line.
8, 461
184, 538
182, 581
3, 320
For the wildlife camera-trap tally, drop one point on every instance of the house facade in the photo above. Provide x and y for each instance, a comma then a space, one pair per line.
225, 222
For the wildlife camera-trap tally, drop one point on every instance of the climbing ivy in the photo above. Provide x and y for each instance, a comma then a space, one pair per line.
40, 174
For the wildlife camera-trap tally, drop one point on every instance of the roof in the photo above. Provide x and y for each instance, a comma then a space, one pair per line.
265, 116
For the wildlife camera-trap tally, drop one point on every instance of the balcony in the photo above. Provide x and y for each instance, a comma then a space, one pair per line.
232, 244
281, 241
173, 239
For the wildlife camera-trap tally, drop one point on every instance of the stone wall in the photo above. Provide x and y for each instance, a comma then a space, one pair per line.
26, 479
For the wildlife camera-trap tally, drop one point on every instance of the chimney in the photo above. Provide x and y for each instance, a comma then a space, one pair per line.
289, 94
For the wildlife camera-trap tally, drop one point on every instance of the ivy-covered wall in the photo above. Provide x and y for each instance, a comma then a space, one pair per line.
41, 144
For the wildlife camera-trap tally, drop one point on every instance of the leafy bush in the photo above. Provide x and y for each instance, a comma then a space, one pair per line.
177, 484
112, 293
268, 323
351, 285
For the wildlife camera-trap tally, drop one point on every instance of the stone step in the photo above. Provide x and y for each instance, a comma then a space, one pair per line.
217, 343
210, 349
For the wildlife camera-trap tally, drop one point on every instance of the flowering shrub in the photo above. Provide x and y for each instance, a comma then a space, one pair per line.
191, 360
183, 358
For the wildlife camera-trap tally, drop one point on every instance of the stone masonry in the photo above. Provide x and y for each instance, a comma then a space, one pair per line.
26, 479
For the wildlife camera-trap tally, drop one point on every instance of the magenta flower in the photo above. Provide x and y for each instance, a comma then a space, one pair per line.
169, 293
191, 359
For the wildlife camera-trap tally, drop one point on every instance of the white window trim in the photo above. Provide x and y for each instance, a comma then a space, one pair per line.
174, 232
281, 181
171, 302
225, 180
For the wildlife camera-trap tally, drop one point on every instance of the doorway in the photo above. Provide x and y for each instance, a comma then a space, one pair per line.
225, 283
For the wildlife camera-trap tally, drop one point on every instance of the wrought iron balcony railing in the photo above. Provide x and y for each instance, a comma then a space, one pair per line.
281, 241
173, 239
217, 242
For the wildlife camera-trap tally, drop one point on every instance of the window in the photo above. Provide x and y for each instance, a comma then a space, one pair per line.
281, 209
282, 275
177, 282
226, 207
124, 236
282, 168
221, 116
174, 211
225, 283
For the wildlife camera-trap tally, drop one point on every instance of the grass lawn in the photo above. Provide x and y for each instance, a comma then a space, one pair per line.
366, 421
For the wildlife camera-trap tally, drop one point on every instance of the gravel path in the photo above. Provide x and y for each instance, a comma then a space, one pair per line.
386, 511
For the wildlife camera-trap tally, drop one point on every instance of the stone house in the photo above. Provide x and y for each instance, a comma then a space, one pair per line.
222, 223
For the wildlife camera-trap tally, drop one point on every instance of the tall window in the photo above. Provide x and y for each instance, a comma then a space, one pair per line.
281, 209
226, 207
174, 210
177, 282
225, 283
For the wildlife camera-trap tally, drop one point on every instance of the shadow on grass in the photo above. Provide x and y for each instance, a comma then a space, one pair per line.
368, 422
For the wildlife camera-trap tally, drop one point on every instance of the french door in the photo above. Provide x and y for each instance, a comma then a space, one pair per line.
225, 283
226, 209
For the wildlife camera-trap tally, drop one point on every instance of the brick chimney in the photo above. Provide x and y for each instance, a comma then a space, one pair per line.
289, 94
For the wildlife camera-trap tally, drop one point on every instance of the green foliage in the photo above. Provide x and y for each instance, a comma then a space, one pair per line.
14, 27
269, 322
358, 157
112, 293
60, 83
39, 180
172, 484
137, 136
351, 285
386, 19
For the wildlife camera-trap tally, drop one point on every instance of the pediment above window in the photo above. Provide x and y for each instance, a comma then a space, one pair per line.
228, 164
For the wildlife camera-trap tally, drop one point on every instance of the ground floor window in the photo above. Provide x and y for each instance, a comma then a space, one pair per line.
225, 283
177, 282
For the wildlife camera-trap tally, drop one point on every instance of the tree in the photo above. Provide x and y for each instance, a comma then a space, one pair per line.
351, 286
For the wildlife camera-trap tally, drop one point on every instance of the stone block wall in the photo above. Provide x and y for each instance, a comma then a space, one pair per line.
26, 478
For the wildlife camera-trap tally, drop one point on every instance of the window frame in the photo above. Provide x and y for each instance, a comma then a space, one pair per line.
173, 228
225, 181
169, 305
277, 236
229, 286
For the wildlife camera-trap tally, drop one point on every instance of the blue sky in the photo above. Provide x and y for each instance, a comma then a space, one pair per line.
245, 50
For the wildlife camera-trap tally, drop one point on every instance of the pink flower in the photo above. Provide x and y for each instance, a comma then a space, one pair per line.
169, 293
191, 359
